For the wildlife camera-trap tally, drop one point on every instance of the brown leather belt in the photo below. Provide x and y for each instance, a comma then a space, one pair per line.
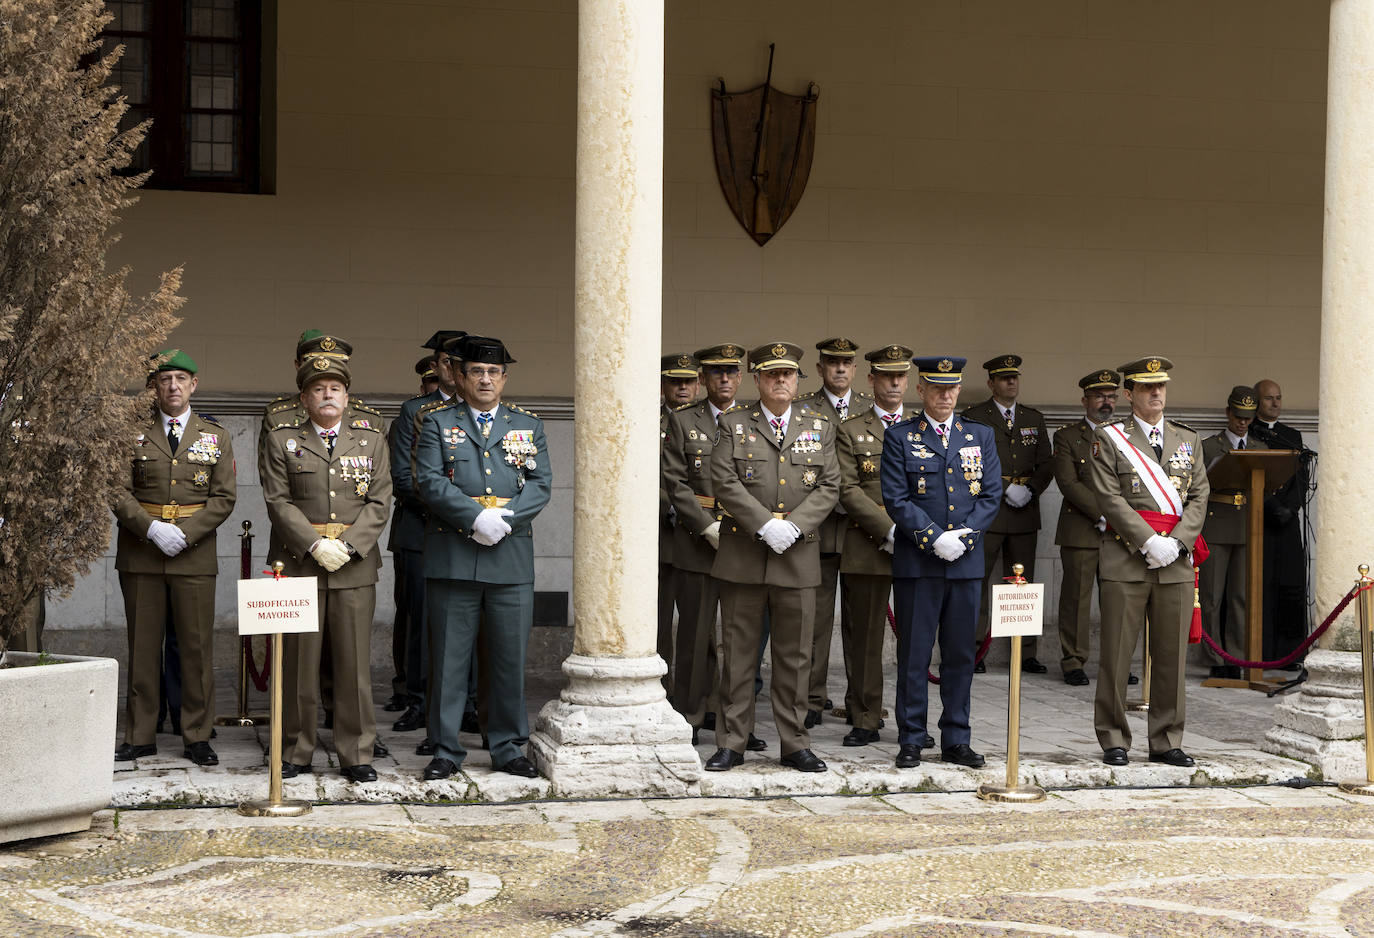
332, 529
169, 512
1016, 480
780, 515
1237, 498
491, 501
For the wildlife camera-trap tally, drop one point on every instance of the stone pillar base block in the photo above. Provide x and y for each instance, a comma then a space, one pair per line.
613, 731
1324, 722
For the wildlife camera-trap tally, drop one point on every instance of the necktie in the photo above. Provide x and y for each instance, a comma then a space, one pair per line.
890, 419
173, 433
484, 423
779, 428
842, 408
1157, 442
1240, 445
940, 432
328, 437
1011, 419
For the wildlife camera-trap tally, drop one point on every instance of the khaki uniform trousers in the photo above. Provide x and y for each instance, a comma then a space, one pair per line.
824, 629
791, 611
346, 621
1125, 606
696, 677
667, 597
151, 601
1013, 548
1076, 605
863, 655
1221, 591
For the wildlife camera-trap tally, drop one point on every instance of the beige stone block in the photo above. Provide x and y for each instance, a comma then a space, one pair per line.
875, 321
679, 327
1000, 114
1206, 70
1298, 74
315, 27
1295, 281
320, 83
860, 53
491, 93
946, 59
1204, 175
1050, 18
1149, 121
730, 264
1285, 126
895, 110
687, 155
522, 150
1145, 224
943, 270
1256, 228
415, 33
314, 141
410, 88
686, 101
828, 267
1241, 332
1162, 20
932, 16
1293, 24
846, 161
1207, 278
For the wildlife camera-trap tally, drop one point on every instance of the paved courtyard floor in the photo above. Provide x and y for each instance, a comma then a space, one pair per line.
1251, 861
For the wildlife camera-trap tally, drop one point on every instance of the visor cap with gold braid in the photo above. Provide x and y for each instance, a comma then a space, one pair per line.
1151, 370
323, 366
1106, 378
1003, 365
324, 344
941, 369
425, 367
775, 356
838, 347
678, 365
727, 354
890, 358
1242, 400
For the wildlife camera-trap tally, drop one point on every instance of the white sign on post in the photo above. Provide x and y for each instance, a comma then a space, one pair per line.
271, 605
1018, 610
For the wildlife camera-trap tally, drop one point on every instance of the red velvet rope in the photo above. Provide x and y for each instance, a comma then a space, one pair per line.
1301, 649
259, 678
982, 649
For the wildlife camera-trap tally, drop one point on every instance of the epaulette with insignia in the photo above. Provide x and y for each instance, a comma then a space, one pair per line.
1181, 425
809, 412
359, 405
282, 403
1118, 419
293, 424
209, 419
520, 410
734, 407
1028, 408
973, 420
432, 406
686, 406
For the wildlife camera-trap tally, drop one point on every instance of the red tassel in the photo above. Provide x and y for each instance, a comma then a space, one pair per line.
1195, 625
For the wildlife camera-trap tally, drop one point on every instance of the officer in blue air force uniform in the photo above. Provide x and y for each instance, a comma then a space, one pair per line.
942, 487
482, 470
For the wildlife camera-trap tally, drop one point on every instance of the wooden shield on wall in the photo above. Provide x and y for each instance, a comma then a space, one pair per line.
764, 140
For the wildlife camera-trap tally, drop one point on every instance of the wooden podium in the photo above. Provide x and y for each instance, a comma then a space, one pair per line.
1256, 472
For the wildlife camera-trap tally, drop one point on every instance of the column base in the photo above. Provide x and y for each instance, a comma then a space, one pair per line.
612, 732
1324, 722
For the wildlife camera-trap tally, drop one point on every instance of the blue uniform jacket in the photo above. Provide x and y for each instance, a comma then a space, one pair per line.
926, 493
455, 465
408, 521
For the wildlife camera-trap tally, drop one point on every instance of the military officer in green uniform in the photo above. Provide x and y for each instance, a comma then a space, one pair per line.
482, 469
1222, 579
327, 483
679, 378
776, 480
1152, 489
1079, 533
837, 400
1023, 447
180, 489
287, 408
866, 561
688, 440
429, 380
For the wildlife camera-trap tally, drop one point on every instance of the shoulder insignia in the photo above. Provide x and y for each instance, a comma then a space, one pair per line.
811, 412
681, 407
968, 417
1113, 422
863, 395
520, 410
432, 406
285, 425
209, 419
285, 402
356, 404
1029, 409
1181, 425
734, 407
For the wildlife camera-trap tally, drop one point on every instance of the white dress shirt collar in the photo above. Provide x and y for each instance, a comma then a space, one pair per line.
1235, 440
182, 419
883, 413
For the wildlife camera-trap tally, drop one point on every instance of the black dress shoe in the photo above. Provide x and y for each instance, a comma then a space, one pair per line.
696, 733
708, 722
379, 750
928, 742
520, 766
201, 754
980, 668
829, 704
292, 769
486, 743
329, 719
1114, 755
412, 719
127, 753
1233, 672
813, 718
1173, 757
470, 724
723, 760
1132, 679
359, 773
803, 760
908, 756
440, 768
425, 748
962, 754
397, 703
1032, 665
858, 737
1076, 678
1217, 671
755, 744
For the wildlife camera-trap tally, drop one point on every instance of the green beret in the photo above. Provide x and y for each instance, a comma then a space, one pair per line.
173, 359
305, 339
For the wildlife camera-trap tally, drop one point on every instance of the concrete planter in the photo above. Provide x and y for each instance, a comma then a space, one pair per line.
57, 737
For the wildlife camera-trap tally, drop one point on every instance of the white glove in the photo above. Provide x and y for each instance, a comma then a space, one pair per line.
1101, 524
712, 534
779, 534
329, 553
1017, 495
948, 547
889, 543
1160, 551
168, 538
490, 526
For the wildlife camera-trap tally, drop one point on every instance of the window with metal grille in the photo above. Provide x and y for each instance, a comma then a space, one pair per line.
194, 67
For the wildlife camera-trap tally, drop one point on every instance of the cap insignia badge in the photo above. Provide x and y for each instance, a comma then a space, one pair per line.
1009, 361
683, 361
1153, 365
729, 351
893, 353
1105, 376
321, 364
779, 350
945, 365
842, 344
328, 344
1247, 401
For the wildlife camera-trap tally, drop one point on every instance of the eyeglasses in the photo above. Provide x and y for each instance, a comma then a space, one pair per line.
492, 373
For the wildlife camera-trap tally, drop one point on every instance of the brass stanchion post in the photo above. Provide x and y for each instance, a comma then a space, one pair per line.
1013, 791
244, 718
1366, 787
1142, 703
274, 806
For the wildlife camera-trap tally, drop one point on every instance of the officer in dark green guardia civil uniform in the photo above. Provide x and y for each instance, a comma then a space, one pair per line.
866, 562
1023, 447
407, 541
181, 488
1222, 579
837, 399
775, 479
327, 484
482, 469
679, 379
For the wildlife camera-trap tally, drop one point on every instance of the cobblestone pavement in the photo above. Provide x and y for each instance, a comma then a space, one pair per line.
1257, 861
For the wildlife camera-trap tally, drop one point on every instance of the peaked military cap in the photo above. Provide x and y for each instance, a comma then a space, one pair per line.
727, 354
306, 337
1151, 370
680, 365
890, 358
1106, 378
1003, 365
323, 366
941, 369
776, 355
837, 348
325, 344
479, 349
425, 367
1242, 400
172, 359
443, 336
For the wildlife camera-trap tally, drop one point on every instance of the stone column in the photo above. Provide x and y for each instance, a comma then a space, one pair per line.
612, 729
1323, 724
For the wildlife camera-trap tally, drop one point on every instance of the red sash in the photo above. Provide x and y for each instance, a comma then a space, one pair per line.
1164, 524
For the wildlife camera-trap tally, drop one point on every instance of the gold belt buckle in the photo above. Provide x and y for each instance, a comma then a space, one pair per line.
1238, 499
171, 512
